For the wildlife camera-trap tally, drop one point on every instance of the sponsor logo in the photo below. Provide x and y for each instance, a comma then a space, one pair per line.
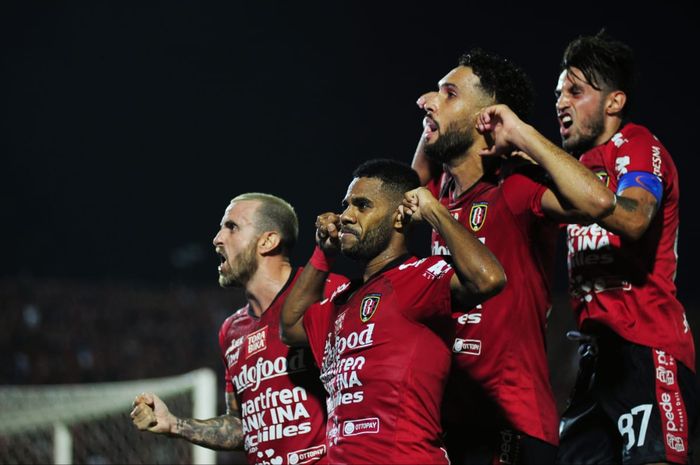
300, 457
621, 165
415, 264
338, 290
339, 322
257, 341
665, 376
469, 319
437, 270
508, 447
355, 340
656, 160
232, 358
234, 351
618, 140
361, 426
268, 457
477, 215
675, 443
455, 213
667, 409
368, 306
235, 344
251, 376
467, 346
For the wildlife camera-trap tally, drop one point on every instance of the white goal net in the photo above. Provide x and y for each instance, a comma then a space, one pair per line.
90, 423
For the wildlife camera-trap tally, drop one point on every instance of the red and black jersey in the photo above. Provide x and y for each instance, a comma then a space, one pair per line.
278, 391
627, 285
499, 347
384, 357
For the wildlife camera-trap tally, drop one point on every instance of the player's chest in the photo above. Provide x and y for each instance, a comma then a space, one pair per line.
261, 340
485, 215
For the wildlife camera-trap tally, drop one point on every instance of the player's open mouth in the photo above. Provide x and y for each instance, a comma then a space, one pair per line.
222, 259
429, 126
565, 122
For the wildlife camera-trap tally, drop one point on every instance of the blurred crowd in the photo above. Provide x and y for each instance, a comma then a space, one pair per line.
55, 331
63, 331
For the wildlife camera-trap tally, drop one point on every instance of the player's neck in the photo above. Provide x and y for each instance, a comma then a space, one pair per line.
612, 125
397, 248
466, 170
271, 276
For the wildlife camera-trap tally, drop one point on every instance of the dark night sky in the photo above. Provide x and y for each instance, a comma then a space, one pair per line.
128, 127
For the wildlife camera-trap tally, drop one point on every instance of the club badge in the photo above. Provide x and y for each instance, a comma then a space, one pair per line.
477, 215
368, 306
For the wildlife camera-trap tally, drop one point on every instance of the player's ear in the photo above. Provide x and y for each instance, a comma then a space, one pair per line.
268, 242
615, 103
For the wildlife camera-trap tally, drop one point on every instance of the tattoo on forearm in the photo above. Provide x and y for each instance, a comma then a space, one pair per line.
629, 205
221, 433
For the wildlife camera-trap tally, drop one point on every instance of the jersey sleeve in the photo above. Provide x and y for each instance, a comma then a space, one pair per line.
317, 320
318, 317
223, 346
523, 192
638, 150
425, 290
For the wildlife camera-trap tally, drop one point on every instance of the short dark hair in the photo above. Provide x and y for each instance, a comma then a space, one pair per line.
396, 176
502, 79
606, 63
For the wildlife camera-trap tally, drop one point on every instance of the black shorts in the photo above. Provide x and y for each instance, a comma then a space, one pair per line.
630, 404
505, 446
476, 431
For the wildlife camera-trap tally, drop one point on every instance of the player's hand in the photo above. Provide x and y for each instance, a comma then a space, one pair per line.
327, 230
500, 127
151, 414
416, 203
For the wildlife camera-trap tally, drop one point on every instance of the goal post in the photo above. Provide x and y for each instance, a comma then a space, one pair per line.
90, 423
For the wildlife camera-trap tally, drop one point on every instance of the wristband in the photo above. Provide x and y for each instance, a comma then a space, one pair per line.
320, 260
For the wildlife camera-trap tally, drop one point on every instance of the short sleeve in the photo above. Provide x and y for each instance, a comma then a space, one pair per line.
523, 192
424, 290
317, 322
223, 346
638, 150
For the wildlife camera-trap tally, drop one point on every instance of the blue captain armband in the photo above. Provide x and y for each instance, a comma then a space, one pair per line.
643, 179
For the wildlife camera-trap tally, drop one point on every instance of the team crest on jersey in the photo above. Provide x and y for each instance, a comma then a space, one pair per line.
368, 306
477, 215
603, 176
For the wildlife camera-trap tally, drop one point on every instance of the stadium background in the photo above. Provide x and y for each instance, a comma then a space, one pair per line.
127, 127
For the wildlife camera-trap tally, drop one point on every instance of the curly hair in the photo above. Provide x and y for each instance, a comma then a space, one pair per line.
606, 64
397, 177
506, 82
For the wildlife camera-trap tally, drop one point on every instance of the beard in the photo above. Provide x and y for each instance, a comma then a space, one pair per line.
585, 139
450, 145
242, 270
376, 241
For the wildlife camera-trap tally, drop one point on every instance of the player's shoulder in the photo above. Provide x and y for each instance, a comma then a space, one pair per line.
437, 265
239, 323
632, 135
334, 281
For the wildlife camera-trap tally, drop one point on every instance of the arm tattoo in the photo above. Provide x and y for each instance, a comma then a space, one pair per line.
221, 433
626, 204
